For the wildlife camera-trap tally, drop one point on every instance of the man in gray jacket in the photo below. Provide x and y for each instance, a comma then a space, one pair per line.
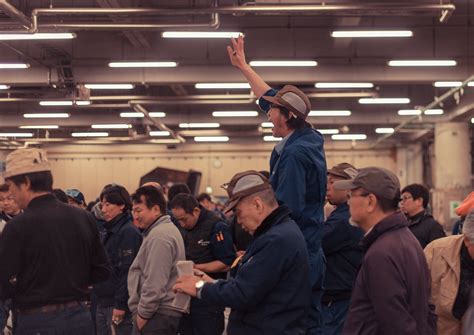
153, 272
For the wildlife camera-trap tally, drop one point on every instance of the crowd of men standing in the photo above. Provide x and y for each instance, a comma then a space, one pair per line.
279, 264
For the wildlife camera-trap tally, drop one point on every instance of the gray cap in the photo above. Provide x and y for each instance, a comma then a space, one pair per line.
379, 181
343, 170
242, 185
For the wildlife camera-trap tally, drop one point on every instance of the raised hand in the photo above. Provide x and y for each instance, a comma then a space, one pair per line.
237, 52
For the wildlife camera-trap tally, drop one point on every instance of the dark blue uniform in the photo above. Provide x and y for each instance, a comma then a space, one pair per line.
210, 240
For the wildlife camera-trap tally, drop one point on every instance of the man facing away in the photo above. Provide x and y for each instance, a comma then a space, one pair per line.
153, 272
392, 290
270, 293
50, 254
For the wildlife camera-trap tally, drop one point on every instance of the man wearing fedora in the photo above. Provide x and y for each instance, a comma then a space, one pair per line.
297, 166
270, 292
49, 255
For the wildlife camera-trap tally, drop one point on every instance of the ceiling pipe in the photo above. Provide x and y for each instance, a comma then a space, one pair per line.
140, 109
434, 103
15, 14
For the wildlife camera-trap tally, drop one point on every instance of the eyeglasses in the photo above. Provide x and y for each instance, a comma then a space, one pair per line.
405, 198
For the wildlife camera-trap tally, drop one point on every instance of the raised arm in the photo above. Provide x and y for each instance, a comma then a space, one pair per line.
237, 58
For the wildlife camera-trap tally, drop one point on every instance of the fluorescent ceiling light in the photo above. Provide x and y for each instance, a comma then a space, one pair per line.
330, 113
211, 139
452, 83
142, 64
14, 66
138, 114
405, 112
90, 134
83, 102
371, 33
199, 125
472, 120
422, 63
329, 131
283, 63
166, 141
235, 114
271, 139
200, 34
384, 101
266, 124
109, 86
16, 135
40, 127
384, 130
159, 133
4, 87
222, 85
56, 103
111, 126
46, 115
347, 137
434, 112
37, 36
343, 85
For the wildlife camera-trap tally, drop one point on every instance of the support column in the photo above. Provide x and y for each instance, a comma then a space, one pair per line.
452, 169
410, 164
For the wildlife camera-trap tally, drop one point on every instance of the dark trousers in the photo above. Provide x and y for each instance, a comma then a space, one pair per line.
159, 325
334, 315
104, 324
68, 321
317, 273
203, 319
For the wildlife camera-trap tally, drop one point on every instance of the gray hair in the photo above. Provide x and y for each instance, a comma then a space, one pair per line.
468, 226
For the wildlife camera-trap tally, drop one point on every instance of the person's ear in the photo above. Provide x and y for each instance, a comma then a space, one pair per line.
371, 203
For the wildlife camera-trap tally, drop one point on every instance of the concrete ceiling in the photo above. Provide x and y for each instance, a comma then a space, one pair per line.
57, 68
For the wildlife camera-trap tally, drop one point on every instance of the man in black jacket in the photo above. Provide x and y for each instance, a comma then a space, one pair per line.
392, 290
49, 255
415, 199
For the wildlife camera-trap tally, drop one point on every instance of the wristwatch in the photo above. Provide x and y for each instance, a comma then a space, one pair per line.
199, 285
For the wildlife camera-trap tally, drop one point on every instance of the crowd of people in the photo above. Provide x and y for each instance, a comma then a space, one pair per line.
301, 249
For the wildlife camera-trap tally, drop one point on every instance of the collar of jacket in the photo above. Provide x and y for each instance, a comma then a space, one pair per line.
392, 222
415, 219
160, 219
40, 200
114, 225
272, 219
451, 246
341, 208
298, 133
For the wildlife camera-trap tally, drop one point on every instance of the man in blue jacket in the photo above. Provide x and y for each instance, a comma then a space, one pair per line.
270, 293
342, 251
297, 166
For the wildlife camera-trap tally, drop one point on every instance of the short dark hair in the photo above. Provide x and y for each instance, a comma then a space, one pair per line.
293, 122
176, 189
418, 191
4, 187
153, 197
204, 196
60, 195
39, 181
265, 173
117, 195
185, 201
389, 205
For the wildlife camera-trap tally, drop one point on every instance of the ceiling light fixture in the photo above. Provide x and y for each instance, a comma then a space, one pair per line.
283, 63
111, 126
384, 101
434, 112
159, 133
142, 64
271, 139
371, 33
384, 130
234, 113
222, 85
328, 131
344, 85
330, 113
56, 103
348, 137
109, 86
211, 139
200, 34
266, 124
138, 114
37, 36
46, 115
16, 134
422, 63
199, 125
90, 134
14, 66
82, 102
40, 127
451, 83
4, 87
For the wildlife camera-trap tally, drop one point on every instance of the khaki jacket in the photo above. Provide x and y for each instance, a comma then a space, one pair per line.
444, 262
